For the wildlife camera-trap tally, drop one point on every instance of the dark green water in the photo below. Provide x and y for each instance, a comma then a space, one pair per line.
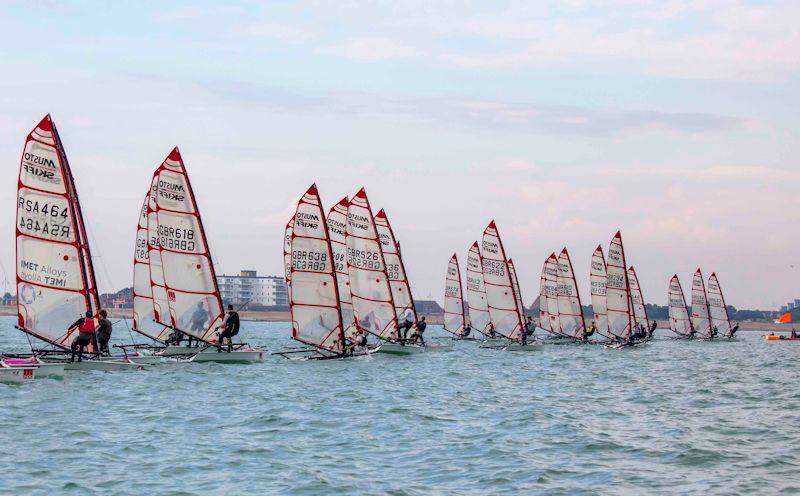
670, 417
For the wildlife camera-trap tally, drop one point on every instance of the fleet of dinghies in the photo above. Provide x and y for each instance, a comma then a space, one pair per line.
344, 271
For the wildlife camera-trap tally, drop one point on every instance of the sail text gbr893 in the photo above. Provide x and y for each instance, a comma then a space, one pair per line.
55, 275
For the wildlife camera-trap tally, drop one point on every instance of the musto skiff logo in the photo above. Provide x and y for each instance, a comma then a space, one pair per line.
27, 294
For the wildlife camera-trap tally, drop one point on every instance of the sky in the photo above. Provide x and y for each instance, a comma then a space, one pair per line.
676, 121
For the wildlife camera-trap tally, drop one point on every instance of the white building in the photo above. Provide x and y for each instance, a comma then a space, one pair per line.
249, 287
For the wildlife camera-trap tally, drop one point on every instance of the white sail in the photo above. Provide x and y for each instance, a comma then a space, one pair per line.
679, 319
479, 317
143, 309
314, 302
551, 288
512, 272
502, 302
158, 287
598, 279
455, 317
395, 269
55, 278
337, 230
701, 318
618, 290
371, 292
716, 305
637, 300
544, 312
570, 311
193, 297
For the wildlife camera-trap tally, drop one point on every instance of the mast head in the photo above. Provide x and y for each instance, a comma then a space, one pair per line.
381, 214
312, 190
475, 245
345, 202
564, 251
492, 225
175, 155
362, 194
46, 124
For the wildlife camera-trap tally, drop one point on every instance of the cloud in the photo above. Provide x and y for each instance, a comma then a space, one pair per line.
715, 172
284, 32
371, 49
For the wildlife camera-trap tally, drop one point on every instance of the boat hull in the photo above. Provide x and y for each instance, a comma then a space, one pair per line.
104, 365
43, 369
523, 347
17, 375
244, 356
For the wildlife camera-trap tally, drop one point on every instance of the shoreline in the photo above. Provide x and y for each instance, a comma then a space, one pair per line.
433, 319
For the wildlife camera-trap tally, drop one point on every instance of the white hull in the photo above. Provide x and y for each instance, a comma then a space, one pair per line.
17, 375
399, 349
180, 350
43, 369
523, 347
249, 356
105, 365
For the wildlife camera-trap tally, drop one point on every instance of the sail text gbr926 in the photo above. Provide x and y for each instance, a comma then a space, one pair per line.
373, 303
55, 276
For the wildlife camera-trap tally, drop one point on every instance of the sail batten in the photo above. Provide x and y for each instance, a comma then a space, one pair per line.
479, 317
455, 316
680, 321
501, 298
599, 278
314, 302
371, 293
54, 272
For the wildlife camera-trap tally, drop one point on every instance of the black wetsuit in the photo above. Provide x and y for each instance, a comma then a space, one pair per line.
231, 329
421, 325
466, 331
103, 335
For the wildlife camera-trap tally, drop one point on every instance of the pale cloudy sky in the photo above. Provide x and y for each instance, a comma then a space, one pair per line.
677, 121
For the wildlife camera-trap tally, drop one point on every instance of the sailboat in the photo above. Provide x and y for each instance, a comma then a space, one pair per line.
337, 230
185, 293
618, 293
680, 321
314, 302
637, 300
55, 275
455, 311
503, 303
371, 293
598, 279
720, 319
570, 310
479, 317
701, 315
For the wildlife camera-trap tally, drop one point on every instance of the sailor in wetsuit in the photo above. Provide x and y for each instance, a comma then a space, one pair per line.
420, 328
589, 332
407, 323
85, 335
652, 329
733, 331
104, 328
467, 330
231, 329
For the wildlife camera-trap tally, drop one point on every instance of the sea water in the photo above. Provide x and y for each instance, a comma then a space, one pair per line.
668, 417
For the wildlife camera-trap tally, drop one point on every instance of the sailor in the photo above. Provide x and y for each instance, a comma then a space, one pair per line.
85, 335
733, 331
231, 329
419, 329
529, 326
466, 331
360, 339
104, 328
652, 329
491, 330
406, 324
589, 332
198, 321
631, 339
793, 335
713, 332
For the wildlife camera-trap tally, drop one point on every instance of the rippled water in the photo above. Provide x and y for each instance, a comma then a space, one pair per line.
670, 417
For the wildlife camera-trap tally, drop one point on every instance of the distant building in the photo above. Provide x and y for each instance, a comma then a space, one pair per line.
784, 308
121, 299
249, 287
428, 307
790, 305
